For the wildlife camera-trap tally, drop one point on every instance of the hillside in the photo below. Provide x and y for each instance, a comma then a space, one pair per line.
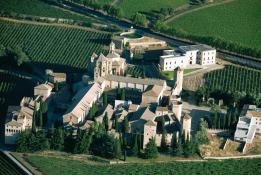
238, 22
130, 7
54, 45
40, 8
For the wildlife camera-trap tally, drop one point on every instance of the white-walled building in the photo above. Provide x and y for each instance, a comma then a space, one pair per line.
187, 55
249, 124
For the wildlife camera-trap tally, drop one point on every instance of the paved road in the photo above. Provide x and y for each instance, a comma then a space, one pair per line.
125, 24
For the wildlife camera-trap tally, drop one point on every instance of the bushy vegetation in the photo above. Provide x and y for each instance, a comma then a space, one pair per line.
53, 45
235, 78
226, 167
39, 8
233, 26
94, 141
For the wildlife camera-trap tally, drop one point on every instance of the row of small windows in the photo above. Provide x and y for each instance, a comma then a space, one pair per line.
13, 130
174, 62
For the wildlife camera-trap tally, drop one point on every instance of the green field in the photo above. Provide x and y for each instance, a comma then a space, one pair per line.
130, 7
40, 8
67, 166
234, 78
238, 21
169, 74
54, 46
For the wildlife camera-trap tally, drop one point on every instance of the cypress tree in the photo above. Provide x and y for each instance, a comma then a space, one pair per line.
123, 94
125, 128
117, 149
135, 148
40, 118
105, 99
106, 121
163, 144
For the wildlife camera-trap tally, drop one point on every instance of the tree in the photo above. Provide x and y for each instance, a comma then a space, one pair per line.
123, 94
140, 19
105, 99
56, 86
117, 149
83, 143
163, 143
22, 141
135, 148
151, 150
40, 118
125, 128
17, 55
57, 141
106, 121
201, 136
34, 118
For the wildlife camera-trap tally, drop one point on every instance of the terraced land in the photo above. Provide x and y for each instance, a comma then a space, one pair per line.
227, 167
237, 22
40, 8
130, 7
7, 167
235, 78
52, 45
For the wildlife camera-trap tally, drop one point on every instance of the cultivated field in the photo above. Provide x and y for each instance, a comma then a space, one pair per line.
235, 78
56, 46
228, 167
10, 84
7, 167
130, 7
238, 21
40, 8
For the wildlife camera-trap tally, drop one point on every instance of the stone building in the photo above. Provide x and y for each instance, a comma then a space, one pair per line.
43, 90
56, 77
18, 119
112, 64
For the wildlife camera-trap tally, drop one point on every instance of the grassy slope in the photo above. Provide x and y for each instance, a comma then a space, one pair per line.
39, 8
169, 74
238, 21
130, 7
61, 46
69, 166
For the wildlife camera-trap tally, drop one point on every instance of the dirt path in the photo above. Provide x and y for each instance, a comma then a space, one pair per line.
51, 24
197, 9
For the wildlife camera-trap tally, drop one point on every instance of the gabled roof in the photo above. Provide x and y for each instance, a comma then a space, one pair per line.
150, 123
153, 91
145, 81
187, 117
44, 86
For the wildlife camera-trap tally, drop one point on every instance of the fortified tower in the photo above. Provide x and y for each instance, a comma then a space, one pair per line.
186, 126
178, 81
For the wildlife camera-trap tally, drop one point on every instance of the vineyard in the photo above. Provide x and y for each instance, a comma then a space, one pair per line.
135, 71
10, 84
52, 45
40, 8
7, 167
226, 167
234, 78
